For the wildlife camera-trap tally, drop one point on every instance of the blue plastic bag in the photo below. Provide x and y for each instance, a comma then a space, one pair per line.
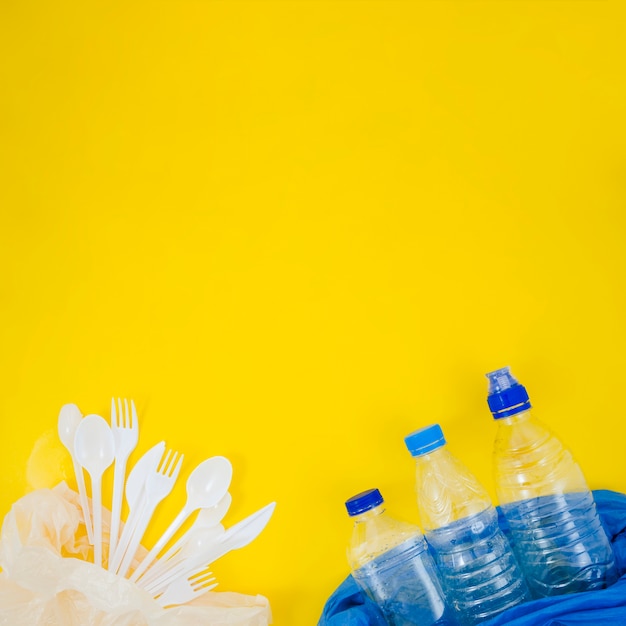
349, 607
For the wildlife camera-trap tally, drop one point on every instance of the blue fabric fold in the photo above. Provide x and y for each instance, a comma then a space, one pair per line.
347, 606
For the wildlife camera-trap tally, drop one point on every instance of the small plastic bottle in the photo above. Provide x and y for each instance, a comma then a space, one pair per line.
479, 572
555, 529
390, 562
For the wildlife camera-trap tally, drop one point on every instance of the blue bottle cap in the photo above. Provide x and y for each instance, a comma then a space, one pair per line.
506, 396
425, 440
363, 502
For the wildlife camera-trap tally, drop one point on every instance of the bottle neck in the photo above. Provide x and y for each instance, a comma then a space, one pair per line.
438, 455
518, 418
371, 514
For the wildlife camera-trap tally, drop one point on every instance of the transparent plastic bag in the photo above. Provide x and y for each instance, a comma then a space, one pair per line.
46, 579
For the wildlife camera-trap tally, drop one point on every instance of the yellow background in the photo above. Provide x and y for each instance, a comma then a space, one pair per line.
295, 231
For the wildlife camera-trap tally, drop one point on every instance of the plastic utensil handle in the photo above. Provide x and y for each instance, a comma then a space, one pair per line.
166, 562
159, 569
194, 563
116, 508
84, 502
215, 514
138, 533
161, 566
176, 547
135, 496
166, 579
237, 536
188, 565
96, 498
127, 534
165, 537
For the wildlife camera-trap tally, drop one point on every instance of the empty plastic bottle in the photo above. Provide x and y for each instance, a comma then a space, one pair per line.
390, 562
479, 572
555, 529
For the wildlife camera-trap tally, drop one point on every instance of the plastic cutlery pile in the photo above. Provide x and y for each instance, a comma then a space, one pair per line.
181, 573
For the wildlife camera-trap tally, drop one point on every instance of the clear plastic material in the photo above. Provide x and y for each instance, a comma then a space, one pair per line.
555, 529
479, 572
390, 562
46, 577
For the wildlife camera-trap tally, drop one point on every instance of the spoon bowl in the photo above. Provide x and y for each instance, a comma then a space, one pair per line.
208, 483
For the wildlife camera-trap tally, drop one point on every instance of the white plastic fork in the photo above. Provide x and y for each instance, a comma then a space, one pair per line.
125, 435
159, 484
183, 590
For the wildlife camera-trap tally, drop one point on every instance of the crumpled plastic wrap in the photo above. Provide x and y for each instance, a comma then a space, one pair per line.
46, 580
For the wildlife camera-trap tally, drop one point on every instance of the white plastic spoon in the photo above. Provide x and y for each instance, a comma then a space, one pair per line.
69, 419
206, 486
95, 451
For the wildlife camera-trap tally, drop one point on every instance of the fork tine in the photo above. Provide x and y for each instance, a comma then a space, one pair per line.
168, 469
201, 579
163, 461
126, 414
199, 574
133, 422
203, 584
174, 474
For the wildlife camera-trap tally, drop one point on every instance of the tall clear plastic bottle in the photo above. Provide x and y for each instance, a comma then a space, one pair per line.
479, 572
390, 562
555, 529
